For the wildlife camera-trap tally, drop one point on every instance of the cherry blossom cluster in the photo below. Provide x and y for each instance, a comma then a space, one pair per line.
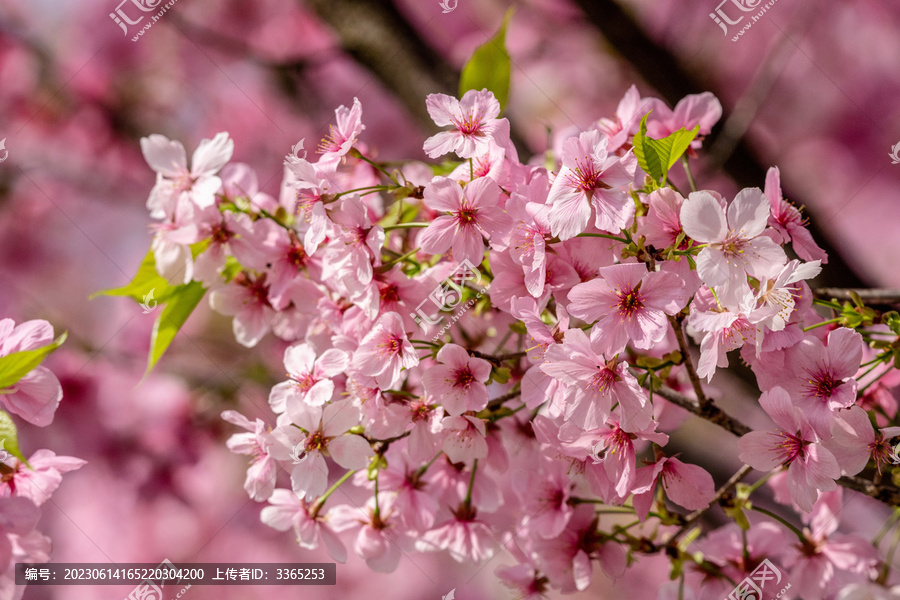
546, 402
26, 485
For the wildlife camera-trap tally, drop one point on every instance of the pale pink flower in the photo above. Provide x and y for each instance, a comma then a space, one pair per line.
523, 579
820, 378
18, 517
464, 441
688, 486
474, 213
464, 536
627, 303
527, 240
227, 233
310, 377
591, 181
198, 184
246, 298
353, 250
341, 138
291, 271
795, 445
311, 185
544, 491
256, 443
374, 541
474, 120
40, 480
789, 223
736, 246
286, 510
35, 396
779, 293
384, 351
458, 383
324, 433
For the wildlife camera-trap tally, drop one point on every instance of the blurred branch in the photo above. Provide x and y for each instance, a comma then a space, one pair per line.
674, 80
380, 39
870, 296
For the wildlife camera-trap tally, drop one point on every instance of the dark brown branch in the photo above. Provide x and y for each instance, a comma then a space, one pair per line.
720, 493
704, 401
885, 493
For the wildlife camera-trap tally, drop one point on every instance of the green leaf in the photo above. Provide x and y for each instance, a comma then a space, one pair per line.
147, 284
180, 303
17, 365
9, 436
656, 157
489, 67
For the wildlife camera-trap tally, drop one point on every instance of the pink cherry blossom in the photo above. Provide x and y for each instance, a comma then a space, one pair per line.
35, 396
474, 120
174, 180
736, 246
688, 486
384, 351
341, 138
474, 213
286, 511
795, 445
599, 384
310, 377
246, 298
375, 541
627, 303
458, 383
256, 443
629, 112
788, 222
703, 109
464, 536
324, 432
38, 481
820, 378
464, 441
591, 181
662, 225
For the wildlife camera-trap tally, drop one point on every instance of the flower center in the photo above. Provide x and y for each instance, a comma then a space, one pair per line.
789, 447
464, 377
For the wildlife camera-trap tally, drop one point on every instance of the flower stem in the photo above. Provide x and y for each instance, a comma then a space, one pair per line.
828, 322
404, 226
781, 520
321, 500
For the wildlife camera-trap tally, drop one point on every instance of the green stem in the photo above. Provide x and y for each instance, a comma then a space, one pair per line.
321, 501
889, 559
468, 500
687, 171
394, 261
828, 322
781, 520
371, 188
359, 155
603, 235
404, 226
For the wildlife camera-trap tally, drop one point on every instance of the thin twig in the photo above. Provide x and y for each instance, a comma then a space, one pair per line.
705, 402
692, 518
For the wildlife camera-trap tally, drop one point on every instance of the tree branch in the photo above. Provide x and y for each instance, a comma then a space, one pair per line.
873, 296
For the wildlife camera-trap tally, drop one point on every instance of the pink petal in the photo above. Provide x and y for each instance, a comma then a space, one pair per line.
350, 451
703, 218
748, 213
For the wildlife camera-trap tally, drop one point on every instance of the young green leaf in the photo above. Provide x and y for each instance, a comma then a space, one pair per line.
9, 436
489, 67
656, 157
180, 303
17, 365
146, 282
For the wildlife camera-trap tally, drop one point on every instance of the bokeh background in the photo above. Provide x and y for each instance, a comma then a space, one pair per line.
813, 87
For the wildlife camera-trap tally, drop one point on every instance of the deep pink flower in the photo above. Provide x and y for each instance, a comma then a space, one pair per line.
458, 383
703, 109
789, 223
820, 378
627, 303
688, 486
475, 124
474, 213
591, 181
795, 445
